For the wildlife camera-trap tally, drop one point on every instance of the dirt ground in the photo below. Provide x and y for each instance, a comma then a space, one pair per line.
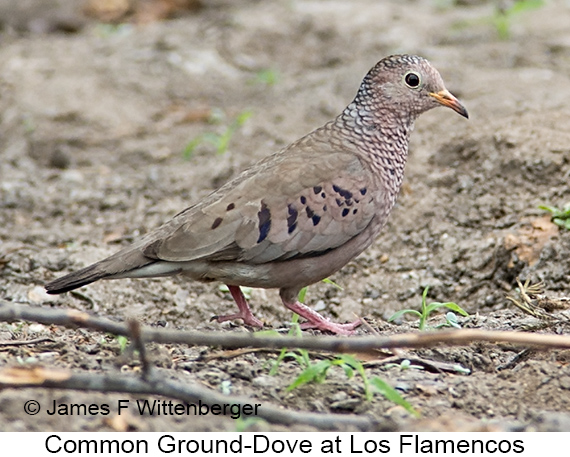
94, 122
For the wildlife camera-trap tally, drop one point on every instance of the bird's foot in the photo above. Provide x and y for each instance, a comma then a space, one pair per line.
244, 313
247, 318
339, 329
315, 320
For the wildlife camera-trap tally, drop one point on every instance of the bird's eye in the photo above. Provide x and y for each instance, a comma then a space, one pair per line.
412, 80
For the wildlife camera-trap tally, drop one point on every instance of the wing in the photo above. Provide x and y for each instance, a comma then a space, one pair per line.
306, 200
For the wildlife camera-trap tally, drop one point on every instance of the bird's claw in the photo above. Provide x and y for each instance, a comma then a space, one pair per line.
248, 319
328, 326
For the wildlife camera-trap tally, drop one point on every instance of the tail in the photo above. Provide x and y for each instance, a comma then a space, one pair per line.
123, 264
76, 279
128, 263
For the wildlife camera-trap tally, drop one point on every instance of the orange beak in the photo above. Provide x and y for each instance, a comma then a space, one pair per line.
446, 99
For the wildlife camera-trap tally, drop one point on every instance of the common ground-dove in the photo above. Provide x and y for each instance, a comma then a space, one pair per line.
299, 215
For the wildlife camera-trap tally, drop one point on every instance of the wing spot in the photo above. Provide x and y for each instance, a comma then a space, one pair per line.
317, 189
303, 199
363, 191
310, 212
343, 192
345, 212
264, 216
230, 206
292, 218
355, 210
316, 219
217, 222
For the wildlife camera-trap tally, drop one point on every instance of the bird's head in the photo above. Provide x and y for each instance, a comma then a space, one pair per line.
407, 84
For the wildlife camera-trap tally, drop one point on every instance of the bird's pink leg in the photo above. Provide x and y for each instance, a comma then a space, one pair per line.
315, 320
244, 310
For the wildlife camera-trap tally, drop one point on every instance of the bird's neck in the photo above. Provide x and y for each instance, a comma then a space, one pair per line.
381, 137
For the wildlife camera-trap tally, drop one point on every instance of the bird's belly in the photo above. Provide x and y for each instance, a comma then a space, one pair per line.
293, 273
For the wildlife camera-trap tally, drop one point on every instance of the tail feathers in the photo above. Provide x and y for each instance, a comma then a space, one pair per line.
76, 279
124, 264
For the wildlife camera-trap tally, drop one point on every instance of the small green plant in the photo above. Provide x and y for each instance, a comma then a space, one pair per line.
242, 425
29, 125
427, 310
332, 283
560, 217
462, 370
123, 341
221, 140
404, 365
267, 76
450, 321
111, 30
317, 372
392, 394
301, 356
503, 17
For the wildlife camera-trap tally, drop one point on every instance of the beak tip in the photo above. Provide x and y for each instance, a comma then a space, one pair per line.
445, 98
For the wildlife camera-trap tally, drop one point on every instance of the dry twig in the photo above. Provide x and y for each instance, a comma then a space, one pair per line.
152, 383
530, 298
360, 344
156, 384
43, 339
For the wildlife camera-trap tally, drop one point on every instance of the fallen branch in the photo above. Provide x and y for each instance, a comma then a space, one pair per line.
155, 384
360, 344
43, 339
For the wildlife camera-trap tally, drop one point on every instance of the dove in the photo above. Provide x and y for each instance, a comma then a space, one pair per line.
300, 214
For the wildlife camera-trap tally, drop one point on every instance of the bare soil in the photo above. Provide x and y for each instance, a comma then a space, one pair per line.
93, 125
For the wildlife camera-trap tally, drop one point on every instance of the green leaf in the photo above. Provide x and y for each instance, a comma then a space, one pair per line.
242, 425
316, 372
559, 217
550, 209
295, 330
424, 295
392, 394
357, 365
242, 118
331, 282
400, 313
298, 358
348, 371
525, 5
267, 76
190, 147
306, 359
461, 369
450, 305
123, 341
451, 319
